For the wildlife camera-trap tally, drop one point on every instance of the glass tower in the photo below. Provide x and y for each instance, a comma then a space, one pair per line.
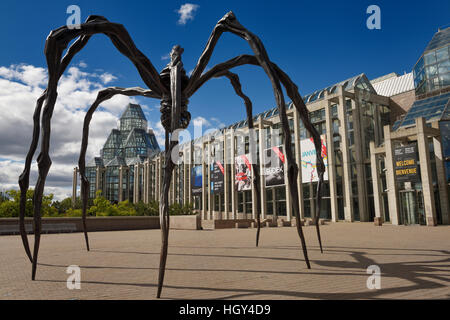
132, 143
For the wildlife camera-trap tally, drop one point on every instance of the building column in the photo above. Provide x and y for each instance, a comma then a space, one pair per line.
262, 177
377, 187
190, 166
253, 159
204, 182
394, 212
120, 195
160, 169
425, 173
185, 177
145, 181
226, 178
288, 190
233, 176
173, 185
127, 169
136, 184
74, 186
441, 176
148, 178
210, 195
359, 155
98, 180
157, 174
331, 159
346, 169
298, 160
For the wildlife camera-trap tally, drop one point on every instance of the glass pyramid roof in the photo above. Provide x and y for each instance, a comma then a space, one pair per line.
432, 109
133, 111
116, 162
439, 39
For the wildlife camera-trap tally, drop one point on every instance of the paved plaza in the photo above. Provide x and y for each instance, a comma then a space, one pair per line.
225, 264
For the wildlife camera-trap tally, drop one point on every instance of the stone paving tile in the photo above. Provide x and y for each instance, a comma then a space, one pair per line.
225, 264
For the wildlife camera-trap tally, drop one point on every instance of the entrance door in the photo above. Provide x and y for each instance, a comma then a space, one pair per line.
409, 207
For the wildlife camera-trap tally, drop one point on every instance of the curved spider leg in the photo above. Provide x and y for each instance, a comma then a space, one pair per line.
299, 104
56, 42
25, 176
24, 179
234, 79
164, 210
294, 95
229, 23
102, 96
171, 132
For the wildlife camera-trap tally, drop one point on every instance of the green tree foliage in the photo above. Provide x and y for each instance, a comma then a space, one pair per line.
177, 209
147, 209
10, 207
100, 206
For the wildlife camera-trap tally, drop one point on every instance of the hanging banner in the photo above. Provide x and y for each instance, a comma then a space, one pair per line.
274, 166
243, 171
217, 177
308, 159
196, 180
405, 163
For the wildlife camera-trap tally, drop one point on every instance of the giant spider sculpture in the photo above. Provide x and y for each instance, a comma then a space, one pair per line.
173, 87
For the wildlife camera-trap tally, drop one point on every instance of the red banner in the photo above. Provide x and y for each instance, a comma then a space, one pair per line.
220, 167
279, 153
247, 162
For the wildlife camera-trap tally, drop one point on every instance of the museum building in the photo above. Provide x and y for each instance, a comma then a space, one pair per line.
385, 142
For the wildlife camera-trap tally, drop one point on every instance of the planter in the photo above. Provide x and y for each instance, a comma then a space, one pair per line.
10, 226
189, 222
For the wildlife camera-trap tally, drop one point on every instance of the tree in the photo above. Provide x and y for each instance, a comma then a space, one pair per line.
10, 207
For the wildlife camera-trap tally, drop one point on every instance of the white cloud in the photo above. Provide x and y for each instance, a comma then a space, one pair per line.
165, 57
218, 123
20, 86
201, 122
186, 12
107, 77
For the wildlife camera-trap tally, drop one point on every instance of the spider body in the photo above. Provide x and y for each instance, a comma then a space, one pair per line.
173, 88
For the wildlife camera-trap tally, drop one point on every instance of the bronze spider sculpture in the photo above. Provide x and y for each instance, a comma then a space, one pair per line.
173, 87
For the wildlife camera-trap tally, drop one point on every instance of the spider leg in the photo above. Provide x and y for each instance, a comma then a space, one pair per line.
164, 210
102, 96
294, 95
24, 179
229, 23
234, 79
56, 42
25, 176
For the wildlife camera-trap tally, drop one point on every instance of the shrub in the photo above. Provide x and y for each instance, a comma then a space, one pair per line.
178, 209
73, 212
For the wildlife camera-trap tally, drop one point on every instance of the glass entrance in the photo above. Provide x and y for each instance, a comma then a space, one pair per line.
409, 207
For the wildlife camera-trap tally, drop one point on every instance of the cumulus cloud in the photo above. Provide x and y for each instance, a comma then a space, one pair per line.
201, 122
186, 12
107, 77
20, 86
218, 123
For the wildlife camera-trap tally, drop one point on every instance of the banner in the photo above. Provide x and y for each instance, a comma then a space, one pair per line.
274, 166
405, 163
196, 180
243, 171
308, 159
217, 177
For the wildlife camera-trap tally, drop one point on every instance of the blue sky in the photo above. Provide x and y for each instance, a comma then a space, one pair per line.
318, 43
